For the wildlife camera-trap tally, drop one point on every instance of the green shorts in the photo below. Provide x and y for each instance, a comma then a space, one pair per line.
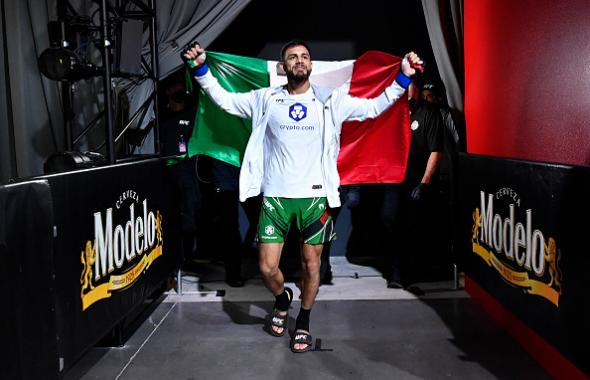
311, 216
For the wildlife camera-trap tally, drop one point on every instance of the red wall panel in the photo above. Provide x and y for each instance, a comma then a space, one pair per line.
527, 79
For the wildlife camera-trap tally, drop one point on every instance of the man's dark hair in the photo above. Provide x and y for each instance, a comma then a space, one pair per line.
291, 44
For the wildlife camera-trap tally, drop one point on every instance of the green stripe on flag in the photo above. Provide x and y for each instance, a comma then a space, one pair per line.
217, 133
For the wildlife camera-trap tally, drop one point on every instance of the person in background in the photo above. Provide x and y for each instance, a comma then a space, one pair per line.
349, 197
177, 118
225, 223
418, 191
454, 142
225, 219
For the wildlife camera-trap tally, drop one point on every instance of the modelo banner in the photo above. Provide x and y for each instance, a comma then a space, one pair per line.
523, 237
116, 241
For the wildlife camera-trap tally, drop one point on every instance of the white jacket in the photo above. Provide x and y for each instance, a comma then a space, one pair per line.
335, 105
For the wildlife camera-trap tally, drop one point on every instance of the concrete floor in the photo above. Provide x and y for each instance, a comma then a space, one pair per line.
367, 331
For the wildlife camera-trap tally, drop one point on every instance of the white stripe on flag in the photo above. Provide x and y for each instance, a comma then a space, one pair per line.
325, 73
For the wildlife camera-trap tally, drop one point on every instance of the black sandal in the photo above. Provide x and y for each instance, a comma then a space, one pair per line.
301, 337
278, 320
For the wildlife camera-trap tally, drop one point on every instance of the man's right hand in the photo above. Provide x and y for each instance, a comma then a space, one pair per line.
194, 55
411, 63
420, 192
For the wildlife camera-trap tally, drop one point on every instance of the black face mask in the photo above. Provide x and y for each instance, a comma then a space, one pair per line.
412, 103
178, 97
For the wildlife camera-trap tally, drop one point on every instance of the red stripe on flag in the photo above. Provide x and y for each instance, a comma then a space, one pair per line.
375, 150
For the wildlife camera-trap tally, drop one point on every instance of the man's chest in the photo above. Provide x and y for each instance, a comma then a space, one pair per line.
294, 120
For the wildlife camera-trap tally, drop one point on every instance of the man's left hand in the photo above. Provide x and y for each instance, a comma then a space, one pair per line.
420, 192
412, 63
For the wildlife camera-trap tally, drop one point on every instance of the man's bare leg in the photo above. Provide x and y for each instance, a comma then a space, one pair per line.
269, 257
310, 273
310, 278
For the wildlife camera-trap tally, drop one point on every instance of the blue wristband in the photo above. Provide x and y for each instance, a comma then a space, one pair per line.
403, 80
200, 71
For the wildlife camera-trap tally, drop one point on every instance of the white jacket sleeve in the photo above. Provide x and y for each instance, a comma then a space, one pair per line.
359, 109
237, 104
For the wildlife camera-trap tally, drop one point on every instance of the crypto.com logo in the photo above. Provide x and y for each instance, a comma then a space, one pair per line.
297, 112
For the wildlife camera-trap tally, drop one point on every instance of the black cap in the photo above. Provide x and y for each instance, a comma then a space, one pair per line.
430, 86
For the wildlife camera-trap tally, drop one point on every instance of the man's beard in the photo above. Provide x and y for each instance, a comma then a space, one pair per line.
292, 76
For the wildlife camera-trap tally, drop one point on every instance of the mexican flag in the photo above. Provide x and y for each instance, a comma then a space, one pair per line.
372, 151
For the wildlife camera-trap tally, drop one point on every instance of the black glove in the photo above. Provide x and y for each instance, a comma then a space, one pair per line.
352, 195
420, 192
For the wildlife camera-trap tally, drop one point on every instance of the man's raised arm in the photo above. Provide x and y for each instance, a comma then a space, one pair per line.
353, 108
238, 104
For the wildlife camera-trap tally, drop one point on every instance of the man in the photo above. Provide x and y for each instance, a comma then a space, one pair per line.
291, 158
453, 133
226, 229
454, 142
176, 125
417, 191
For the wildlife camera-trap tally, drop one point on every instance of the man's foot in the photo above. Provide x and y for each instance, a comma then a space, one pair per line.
301, 341
278, 318
414, 290
393, 284
278, 322
394, 279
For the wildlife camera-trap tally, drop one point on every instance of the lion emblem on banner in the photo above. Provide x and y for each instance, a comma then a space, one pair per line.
87, 257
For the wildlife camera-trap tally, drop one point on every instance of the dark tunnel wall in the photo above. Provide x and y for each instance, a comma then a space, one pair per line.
527, 76
527, 70
335, 29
